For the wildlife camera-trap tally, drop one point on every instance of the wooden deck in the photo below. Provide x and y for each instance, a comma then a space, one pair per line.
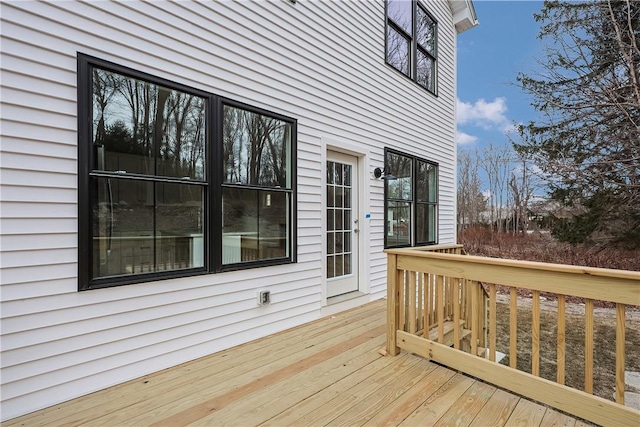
327, 372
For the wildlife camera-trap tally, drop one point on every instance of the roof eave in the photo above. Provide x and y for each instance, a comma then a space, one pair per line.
464, 15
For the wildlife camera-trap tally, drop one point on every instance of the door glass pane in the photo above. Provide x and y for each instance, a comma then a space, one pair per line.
330, 267
340, 219
339, 264
254, 225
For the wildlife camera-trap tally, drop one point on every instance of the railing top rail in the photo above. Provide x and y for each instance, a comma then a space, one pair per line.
532, 265
603, 284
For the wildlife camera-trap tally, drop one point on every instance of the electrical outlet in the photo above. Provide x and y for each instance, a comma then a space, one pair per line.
264, 297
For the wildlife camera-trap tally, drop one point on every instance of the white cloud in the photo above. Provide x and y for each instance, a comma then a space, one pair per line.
464, 138
487, 115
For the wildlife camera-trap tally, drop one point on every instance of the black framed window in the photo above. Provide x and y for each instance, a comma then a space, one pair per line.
257, 189
411, 41
153, 201
411, 200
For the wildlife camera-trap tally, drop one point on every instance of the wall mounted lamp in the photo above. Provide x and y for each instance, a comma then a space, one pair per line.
383, 173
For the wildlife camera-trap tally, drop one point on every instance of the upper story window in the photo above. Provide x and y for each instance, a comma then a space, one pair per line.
411, 200
411, 41
174, 181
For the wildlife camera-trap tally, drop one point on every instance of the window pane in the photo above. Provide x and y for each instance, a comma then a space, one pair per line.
401, 168
426, 182
139, 230
397, 51
256, 149
255, 225
425, 223
399, 11
179, 226
426, 31
425, 71
143, 128
398, 223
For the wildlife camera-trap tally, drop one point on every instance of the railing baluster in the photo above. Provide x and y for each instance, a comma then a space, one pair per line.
440, 307
588, 345
620, 355
456, 314
513, 327
474, 318
427, 304
412, 301
402, 283
419, 278
561, 340
535, 335
492, 322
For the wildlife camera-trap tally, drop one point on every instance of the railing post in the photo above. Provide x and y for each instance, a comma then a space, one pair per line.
393, 304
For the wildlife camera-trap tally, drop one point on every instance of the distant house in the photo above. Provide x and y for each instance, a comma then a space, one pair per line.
183, 177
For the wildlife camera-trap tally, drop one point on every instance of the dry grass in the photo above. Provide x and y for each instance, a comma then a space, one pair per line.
543, 248
604, 345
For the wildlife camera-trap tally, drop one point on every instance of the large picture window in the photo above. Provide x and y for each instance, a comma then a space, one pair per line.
163, 192
411, 41
411, 200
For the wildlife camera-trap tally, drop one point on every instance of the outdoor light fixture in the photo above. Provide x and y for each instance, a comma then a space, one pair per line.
383, 173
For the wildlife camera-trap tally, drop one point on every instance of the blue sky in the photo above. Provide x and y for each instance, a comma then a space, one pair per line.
490, 56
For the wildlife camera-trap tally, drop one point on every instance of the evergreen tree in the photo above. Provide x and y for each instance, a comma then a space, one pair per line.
587, 138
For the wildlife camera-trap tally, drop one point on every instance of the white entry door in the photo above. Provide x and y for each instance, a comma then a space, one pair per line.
342, 224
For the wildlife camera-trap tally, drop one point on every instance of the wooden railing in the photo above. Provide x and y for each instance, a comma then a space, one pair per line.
445, 306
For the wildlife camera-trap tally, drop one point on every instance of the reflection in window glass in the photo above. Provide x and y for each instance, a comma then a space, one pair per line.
399, 11
426, 182
143, 227
411, 44
143, 128
401, 168
256, 149
397, 50
410, 215
425, 71
398, 223
425, 223
254, 226
426, 31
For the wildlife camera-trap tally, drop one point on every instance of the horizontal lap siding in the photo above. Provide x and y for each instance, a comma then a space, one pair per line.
319, 62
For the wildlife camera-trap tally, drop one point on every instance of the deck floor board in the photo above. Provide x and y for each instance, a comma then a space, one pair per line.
327, 372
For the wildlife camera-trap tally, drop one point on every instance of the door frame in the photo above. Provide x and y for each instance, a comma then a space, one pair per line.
363, 215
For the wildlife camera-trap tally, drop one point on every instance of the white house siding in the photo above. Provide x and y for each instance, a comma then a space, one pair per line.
319, 62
